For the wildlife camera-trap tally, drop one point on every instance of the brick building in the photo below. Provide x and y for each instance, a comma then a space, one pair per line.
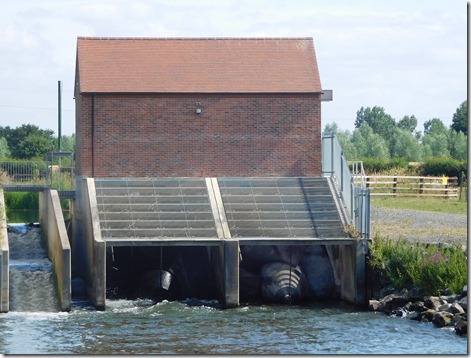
190, 107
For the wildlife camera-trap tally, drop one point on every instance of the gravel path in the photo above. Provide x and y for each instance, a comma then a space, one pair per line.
423, 226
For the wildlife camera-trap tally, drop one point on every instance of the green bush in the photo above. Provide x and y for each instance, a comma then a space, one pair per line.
442, 166
22, 200
374, 165
428, 268
442, 268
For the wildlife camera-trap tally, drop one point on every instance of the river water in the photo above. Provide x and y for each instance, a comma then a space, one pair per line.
202, 327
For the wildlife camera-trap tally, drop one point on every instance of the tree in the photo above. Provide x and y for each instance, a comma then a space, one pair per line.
405, 145
435, 145
379, 121
369, 144
68, 143
435, 139
331, 128
344, 138
34, 145
4, 150
460, 119
28, 141
458, 145
408, 123
434, 125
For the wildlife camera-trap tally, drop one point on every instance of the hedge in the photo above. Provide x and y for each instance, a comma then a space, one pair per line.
442, 166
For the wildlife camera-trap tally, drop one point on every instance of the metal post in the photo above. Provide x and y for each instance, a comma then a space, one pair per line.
59, 106
332, 156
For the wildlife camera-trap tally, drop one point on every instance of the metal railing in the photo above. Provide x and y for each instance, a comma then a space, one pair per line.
24, 173
57, 172
358, 172
355, 198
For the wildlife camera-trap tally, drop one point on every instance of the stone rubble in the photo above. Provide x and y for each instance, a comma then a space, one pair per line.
442, 311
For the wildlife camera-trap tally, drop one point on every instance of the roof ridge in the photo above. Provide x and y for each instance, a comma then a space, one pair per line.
191, 38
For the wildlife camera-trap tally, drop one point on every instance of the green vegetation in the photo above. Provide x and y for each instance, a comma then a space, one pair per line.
460, 119
442, 166
21, 200
398, 166
430, 268
30, 142
444, 205
378, 135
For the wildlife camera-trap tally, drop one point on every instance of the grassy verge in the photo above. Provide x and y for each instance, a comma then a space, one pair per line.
452, 206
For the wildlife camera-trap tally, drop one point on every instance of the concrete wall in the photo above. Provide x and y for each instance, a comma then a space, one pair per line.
231, 273
4, 259
142, 135
349, 265
58, 247
89, 250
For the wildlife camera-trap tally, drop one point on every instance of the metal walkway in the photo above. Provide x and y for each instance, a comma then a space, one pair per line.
143, 211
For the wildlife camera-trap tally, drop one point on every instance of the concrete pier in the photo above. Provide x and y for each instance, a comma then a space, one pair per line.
4, 258
89, 250
58, 247
231, 273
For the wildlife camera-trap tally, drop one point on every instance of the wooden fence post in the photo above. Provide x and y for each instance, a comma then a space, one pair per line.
461, 184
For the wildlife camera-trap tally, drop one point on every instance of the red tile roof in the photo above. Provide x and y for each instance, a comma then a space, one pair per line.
197, 65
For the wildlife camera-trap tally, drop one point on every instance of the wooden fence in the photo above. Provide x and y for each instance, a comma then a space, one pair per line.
446, 187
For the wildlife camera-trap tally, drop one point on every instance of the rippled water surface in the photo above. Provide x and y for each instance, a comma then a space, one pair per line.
139, 326
196, 327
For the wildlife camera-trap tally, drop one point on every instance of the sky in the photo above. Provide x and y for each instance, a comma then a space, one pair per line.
409, 57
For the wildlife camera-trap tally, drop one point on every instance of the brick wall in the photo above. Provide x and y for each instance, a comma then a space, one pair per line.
235, 135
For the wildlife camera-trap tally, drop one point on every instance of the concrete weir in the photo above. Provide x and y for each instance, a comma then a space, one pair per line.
215, 237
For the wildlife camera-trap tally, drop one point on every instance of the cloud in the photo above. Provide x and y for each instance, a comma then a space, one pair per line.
406, 56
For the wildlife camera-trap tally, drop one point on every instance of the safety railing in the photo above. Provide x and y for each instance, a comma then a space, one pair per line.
24, 172
355, 198
56, 172
358, 172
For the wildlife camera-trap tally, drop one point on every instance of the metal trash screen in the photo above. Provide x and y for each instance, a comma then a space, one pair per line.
150, 208
280, 208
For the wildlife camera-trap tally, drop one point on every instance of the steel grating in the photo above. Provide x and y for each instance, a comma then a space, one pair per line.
142, 210
280, 208
154, 208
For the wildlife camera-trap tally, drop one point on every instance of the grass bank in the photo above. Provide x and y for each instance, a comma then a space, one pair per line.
443, 205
